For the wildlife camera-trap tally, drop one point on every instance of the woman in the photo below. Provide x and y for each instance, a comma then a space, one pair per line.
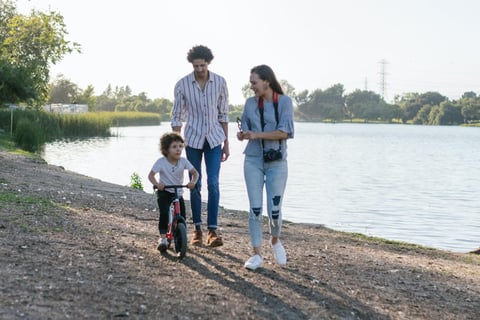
267, 122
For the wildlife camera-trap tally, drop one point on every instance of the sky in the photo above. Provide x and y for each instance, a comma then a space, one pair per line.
425, 45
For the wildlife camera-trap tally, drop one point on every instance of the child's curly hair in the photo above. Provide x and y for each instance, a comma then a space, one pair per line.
167, 139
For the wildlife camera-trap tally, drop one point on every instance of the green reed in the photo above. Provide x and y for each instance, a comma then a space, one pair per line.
33, 128
131, 118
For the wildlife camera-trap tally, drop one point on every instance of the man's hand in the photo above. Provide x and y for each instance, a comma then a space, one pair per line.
225, 151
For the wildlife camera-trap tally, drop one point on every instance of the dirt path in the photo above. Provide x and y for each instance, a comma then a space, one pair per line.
76, 247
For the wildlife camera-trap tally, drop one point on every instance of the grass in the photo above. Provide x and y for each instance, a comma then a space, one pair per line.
8, 198
382, 241
7, 144
411, 247
27, 213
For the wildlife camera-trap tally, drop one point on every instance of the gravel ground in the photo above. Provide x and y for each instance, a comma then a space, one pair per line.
75, 247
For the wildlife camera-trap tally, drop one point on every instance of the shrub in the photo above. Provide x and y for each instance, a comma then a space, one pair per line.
136, 181
29, 135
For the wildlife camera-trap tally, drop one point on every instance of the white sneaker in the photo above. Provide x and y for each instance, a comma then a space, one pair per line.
279, 253
254, 262
162, 244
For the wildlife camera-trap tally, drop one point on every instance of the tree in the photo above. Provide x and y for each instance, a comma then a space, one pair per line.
88, 97
363, 104
431, 98
469, 95
246, 91
30, 44
470, 106
470, 112
422, 116
410, 104
16, 85
391, 112
302, 97
327, 104
288, 89
62, 90
445, 114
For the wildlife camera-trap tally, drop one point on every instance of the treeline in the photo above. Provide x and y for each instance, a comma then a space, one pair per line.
430, 108
25, 67
119, 99
331, 104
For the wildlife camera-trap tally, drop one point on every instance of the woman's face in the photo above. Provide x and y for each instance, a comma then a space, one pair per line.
258, 85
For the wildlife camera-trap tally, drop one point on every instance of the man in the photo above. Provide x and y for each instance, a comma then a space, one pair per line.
201, 100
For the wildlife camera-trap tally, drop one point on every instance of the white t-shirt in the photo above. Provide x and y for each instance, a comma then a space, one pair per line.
170, 174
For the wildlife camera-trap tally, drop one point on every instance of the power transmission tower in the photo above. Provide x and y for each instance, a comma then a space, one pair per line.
383, 76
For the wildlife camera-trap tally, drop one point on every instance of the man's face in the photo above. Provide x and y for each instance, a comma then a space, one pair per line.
200, 68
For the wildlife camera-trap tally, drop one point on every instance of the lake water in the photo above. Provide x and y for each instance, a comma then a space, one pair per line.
419, 184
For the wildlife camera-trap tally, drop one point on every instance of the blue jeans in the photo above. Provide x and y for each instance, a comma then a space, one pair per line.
272, 175
213, 158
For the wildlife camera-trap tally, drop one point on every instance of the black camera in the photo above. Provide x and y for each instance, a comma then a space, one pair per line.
272, 155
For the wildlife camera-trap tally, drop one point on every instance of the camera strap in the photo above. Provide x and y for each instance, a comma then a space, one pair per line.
262, 119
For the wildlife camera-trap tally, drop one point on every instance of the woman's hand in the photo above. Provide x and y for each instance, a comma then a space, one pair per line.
249, 135
240, 136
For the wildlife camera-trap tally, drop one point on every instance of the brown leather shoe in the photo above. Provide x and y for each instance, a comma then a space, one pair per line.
213, 240
197, 238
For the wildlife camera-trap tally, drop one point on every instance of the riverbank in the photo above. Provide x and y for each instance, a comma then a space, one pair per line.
77, 247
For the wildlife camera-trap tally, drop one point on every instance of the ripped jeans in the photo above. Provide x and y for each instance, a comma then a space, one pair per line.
273, 175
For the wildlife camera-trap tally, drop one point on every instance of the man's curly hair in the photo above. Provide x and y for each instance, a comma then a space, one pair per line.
200, 52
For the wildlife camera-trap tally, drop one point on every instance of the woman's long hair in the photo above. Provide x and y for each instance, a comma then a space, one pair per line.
266, 74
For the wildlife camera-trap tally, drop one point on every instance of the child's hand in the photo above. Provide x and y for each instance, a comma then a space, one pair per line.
191, 185
160, 186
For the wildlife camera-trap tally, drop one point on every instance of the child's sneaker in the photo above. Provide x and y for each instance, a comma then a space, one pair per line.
254, 262
279, 253
162, 244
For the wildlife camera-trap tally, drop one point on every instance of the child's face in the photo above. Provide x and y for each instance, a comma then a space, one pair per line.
175, 150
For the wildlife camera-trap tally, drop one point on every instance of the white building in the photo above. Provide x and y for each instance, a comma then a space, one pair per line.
66, 108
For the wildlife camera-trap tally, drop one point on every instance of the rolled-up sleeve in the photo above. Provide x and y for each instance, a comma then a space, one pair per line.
178, 111
285, 108
223, 103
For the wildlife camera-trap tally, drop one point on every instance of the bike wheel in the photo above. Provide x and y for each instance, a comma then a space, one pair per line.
181, 240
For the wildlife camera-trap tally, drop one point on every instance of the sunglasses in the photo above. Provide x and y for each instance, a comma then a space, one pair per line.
239, 124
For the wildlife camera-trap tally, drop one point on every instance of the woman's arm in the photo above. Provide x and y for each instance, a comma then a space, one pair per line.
270, 135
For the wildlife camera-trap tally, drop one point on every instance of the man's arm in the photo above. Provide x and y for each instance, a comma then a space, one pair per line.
178, 110
226, 147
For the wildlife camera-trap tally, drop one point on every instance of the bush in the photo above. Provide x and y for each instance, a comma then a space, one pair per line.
136, 181
29, 135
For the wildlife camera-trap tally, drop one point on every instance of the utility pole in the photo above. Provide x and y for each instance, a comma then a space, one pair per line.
383, 76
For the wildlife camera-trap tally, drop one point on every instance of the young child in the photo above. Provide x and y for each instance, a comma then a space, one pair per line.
170, 168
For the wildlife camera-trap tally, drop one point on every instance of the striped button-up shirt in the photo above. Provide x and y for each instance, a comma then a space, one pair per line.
203, 111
